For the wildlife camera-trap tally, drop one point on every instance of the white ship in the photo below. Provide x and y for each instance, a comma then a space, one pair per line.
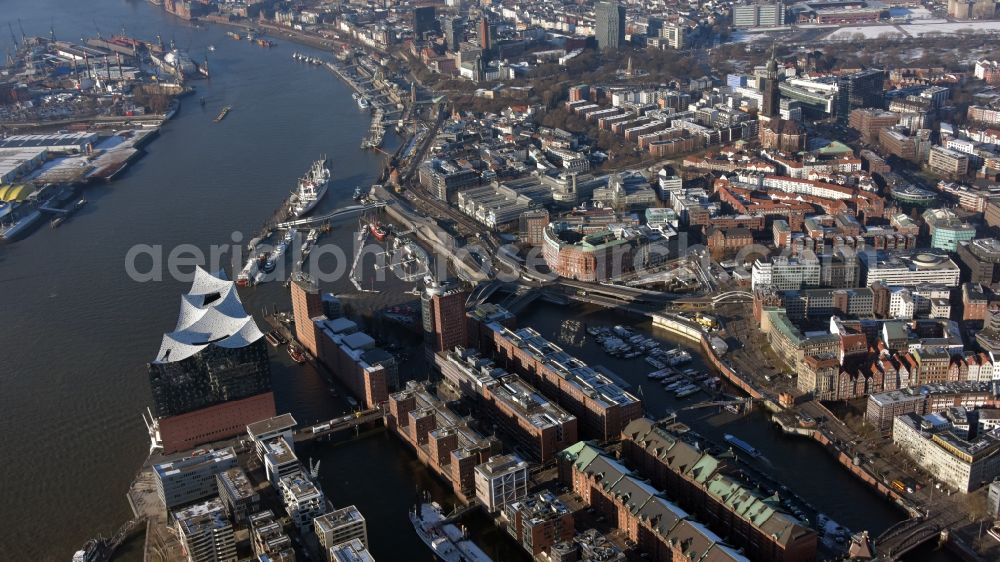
445, 539
311, 189
178, 63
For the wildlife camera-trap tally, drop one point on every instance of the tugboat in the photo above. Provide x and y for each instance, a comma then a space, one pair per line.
266, 262
296, 354
377, 231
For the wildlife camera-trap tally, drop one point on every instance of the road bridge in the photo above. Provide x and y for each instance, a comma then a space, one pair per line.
905, 536
717, 299
630, 294
483, 291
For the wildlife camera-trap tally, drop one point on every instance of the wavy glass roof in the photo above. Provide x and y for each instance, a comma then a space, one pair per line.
211, 313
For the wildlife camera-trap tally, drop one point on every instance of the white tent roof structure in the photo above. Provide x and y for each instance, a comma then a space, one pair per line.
211, 314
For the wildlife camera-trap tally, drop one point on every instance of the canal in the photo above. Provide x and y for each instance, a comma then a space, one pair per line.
77, 331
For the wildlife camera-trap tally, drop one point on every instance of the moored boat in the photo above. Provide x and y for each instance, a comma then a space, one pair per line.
741, 445
445, 539
296, 354
311, 189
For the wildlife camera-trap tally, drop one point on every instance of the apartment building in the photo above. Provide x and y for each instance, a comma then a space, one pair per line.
191, 478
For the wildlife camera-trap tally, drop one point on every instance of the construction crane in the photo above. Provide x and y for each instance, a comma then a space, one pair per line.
12, 36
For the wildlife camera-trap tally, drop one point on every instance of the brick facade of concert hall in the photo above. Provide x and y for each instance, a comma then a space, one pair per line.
214, 423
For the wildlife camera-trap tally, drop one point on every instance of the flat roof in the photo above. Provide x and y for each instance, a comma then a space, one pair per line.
198, 460
571, 369
271, 426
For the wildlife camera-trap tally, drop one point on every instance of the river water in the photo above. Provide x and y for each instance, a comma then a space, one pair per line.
76, 331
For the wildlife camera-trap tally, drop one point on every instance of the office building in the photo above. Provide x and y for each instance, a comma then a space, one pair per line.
268, 538
211, 376
532, 225
340, 526
538, 522
939, 448
206, 535
306, 305
980, 258
817, 97
759, 14
824, 303
514, 407
993, 500
947, 229
445, 179
303, 500
600, 405
238, 495
784, 273
865, 88
487, 31
870, 122
501, 480
454, 32
675, 34
424, 21
641, 512
354, 358
609, 24
351, 551
705, 486
571, 252
191, 478
948, 162
971, 9
443, 314
910, 270
976, 392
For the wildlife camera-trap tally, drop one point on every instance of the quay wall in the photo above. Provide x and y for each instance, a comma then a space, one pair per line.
695, 334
